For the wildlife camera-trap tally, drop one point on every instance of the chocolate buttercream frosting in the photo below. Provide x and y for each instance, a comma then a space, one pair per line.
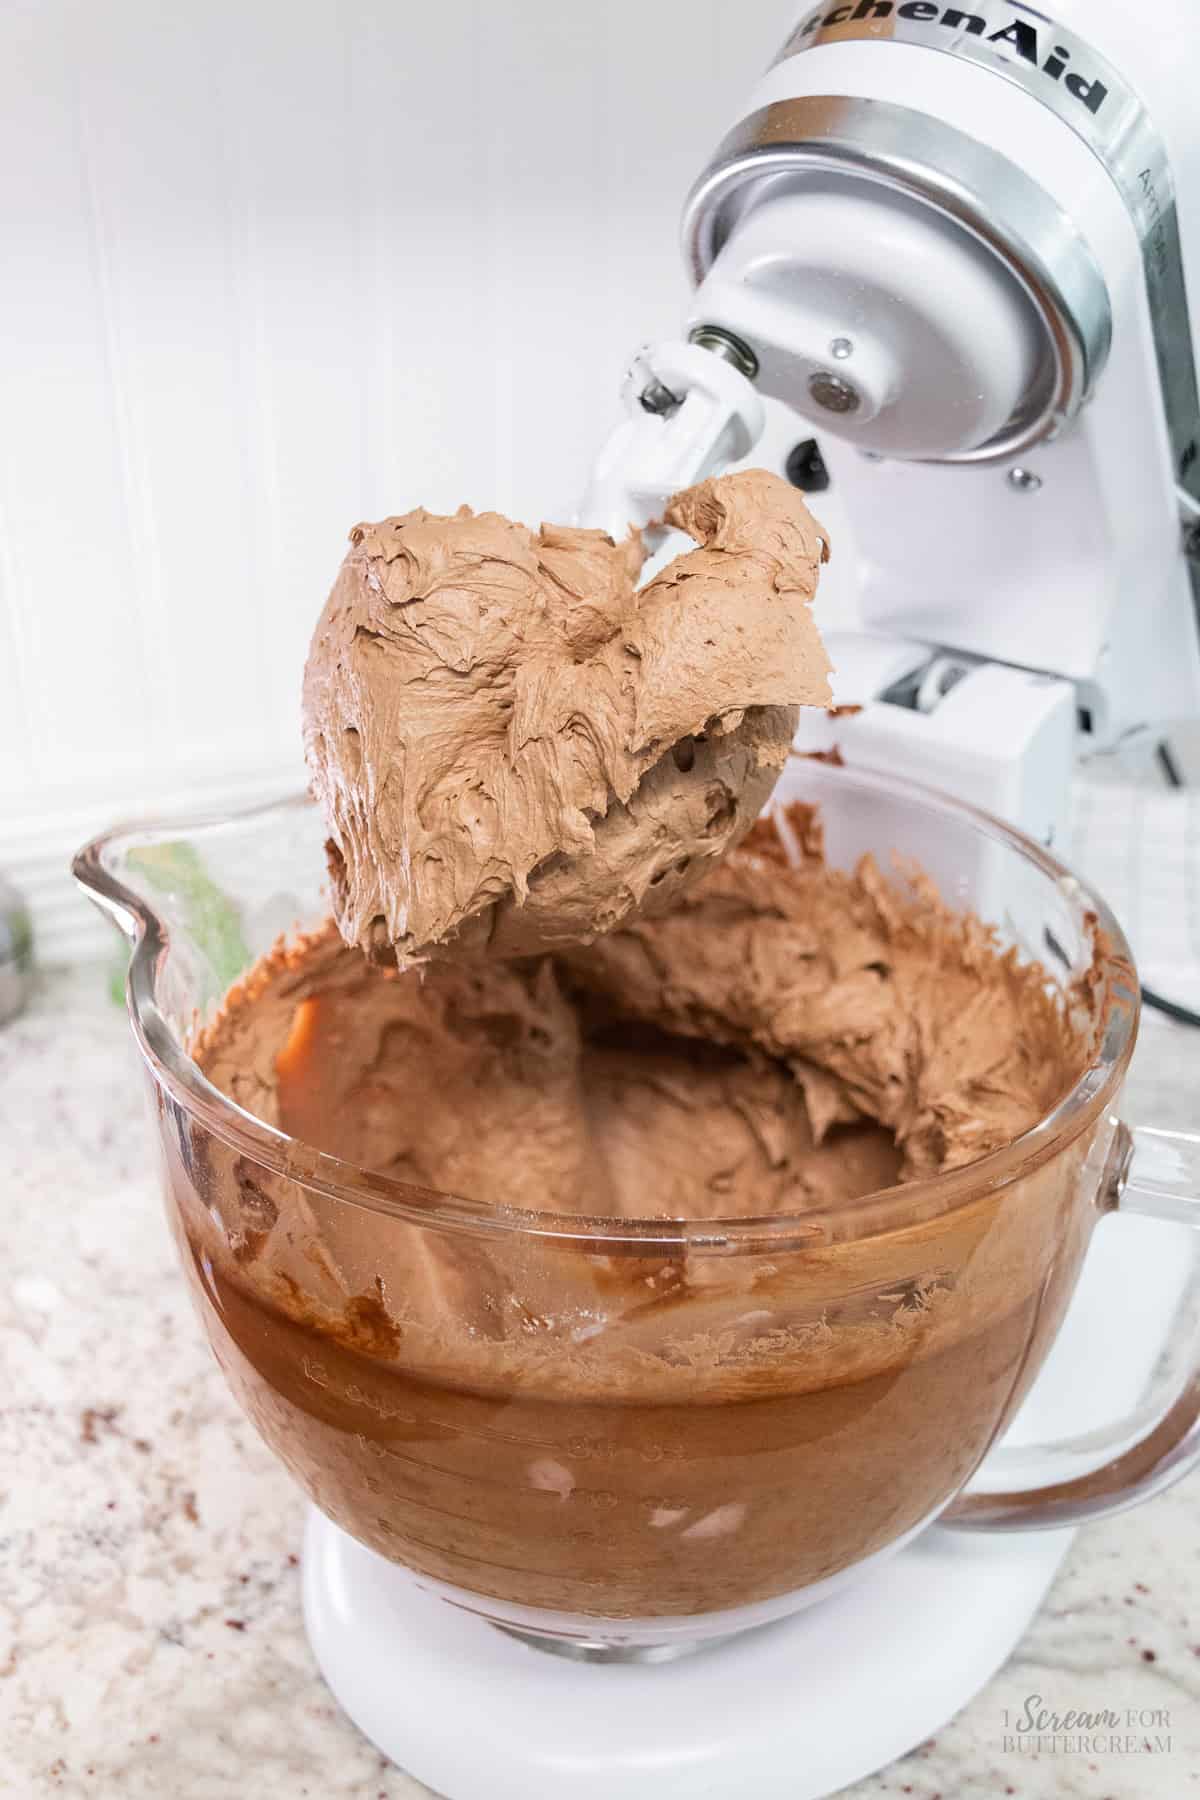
882, 1002
790, 1035
515, 748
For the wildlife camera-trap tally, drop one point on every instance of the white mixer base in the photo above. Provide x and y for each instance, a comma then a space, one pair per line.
791, 1711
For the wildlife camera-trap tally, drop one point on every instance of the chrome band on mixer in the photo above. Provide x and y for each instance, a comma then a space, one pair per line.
899, 147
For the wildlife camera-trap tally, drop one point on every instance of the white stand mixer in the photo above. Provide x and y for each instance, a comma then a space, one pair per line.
950, 237
952, 240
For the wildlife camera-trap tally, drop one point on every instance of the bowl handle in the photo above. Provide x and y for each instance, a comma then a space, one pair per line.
1089, 1477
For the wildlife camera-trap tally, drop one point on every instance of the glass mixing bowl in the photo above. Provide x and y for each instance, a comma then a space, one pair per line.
628, 1433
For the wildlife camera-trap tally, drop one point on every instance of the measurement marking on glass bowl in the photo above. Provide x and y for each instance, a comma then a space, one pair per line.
397, 1415
580, 1447
486, 1562
599, 1497
463, 1518
428, 1506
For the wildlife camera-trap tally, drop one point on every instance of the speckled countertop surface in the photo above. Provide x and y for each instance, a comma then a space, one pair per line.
151, 1641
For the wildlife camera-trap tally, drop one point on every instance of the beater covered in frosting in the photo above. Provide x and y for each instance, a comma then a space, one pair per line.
515, 749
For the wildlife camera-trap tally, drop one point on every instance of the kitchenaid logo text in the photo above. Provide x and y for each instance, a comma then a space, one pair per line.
1039, 46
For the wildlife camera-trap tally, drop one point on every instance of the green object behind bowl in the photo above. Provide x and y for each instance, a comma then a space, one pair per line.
212, 919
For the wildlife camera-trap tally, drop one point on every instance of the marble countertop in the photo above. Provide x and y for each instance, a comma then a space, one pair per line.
151, 1642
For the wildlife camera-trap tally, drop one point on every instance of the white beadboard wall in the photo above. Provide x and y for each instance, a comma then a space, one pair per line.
272, 266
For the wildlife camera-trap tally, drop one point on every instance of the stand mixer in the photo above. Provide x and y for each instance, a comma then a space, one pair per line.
954, 240
948, 238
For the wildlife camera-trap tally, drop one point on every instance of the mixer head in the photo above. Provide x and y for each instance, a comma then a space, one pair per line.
951, 241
